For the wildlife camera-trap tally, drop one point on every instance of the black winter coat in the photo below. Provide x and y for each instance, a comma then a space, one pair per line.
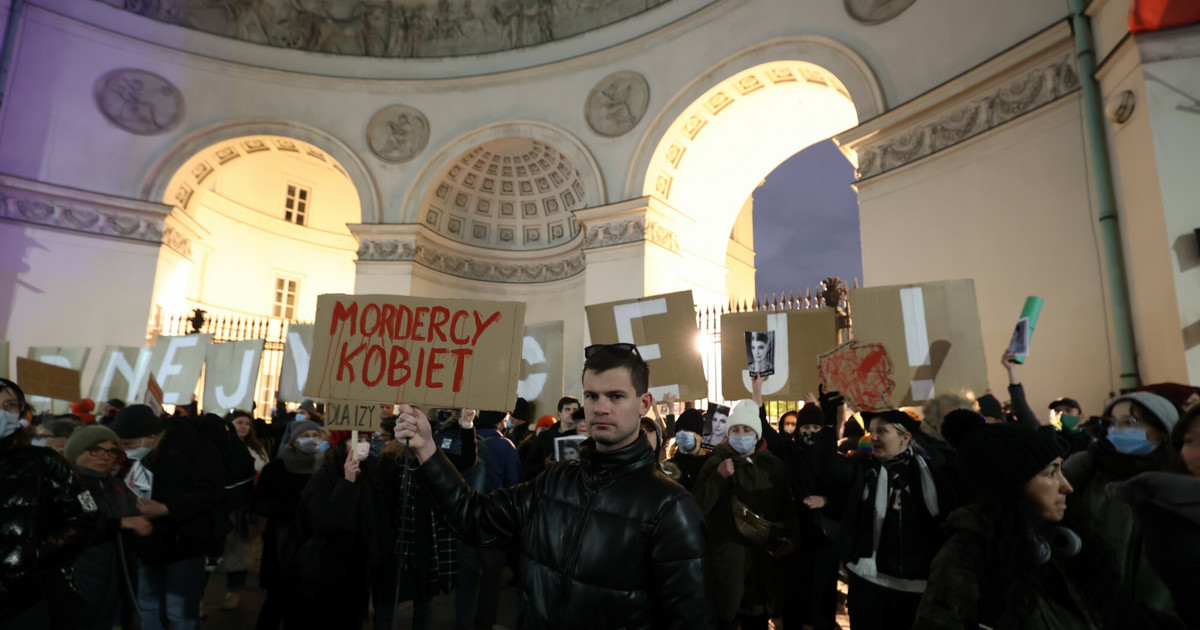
100, 571
187, 478
607, 541
46, 517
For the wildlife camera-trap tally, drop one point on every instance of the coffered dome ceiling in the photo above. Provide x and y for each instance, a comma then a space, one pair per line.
512, 193
392, 28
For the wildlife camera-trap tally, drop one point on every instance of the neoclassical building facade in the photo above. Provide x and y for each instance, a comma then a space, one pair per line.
245, 156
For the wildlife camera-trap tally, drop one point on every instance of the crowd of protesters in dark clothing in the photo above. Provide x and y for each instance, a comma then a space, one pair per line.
964, 513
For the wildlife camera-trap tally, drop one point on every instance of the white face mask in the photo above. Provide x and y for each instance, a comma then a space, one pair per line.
362, 449
38, 441
743, 444
310, 445
9, 421
138, 453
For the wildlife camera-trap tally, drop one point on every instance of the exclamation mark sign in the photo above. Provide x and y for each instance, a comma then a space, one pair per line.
916, 336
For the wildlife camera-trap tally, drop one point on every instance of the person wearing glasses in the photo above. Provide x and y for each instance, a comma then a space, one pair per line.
104, 573
605, 541
1139, 424
44, 525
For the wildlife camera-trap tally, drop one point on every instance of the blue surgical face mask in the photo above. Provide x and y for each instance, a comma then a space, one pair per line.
1130, 441
686, 441
324, 445
743, 444
310, 445
9, 422
301, 417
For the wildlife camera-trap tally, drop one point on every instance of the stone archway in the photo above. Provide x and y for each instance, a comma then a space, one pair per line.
159, 175
714, 143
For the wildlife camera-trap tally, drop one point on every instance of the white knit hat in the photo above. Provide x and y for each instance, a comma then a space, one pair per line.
745, 413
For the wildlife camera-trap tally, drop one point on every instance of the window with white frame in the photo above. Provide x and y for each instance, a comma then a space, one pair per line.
295, 204
284, 301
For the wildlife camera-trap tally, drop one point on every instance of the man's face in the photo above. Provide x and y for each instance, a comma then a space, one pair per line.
564, 415
612, 408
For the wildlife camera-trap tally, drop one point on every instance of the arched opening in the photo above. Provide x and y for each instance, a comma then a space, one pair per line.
721, 147
262, 220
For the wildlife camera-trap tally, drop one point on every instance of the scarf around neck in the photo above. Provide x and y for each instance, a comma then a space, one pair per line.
892, 470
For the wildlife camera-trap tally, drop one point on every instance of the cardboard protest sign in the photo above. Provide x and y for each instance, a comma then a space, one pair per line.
421, 351
73, 358
541, 381
230, 373
297, 351
122, 373
930, 332
3, 359
176, 363
664, 329
861, 373
343, 415
800, 337
46, 380
154, 395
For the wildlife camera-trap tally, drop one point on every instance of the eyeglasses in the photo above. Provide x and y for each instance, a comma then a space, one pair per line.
1126, 422
617, 349
13, 405
97, 451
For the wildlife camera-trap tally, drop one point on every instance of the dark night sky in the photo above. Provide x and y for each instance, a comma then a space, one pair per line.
806, 222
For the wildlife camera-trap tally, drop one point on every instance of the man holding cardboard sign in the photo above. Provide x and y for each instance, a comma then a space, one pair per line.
606, 541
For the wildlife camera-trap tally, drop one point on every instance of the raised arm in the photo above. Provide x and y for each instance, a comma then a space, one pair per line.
478, 519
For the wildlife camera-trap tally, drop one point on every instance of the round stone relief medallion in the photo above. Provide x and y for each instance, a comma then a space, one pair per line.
137, 101
876, 11
397, 133
617, 103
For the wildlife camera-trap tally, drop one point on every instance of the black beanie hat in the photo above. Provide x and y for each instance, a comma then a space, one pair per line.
521, 410
999, 459
489, 419
690, 420
136, 421
809, 414
989, 407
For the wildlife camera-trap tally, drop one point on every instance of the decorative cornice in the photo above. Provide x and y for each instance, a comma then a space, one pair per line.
396, 250
1039, 86
43, 204
177, 241
630, 230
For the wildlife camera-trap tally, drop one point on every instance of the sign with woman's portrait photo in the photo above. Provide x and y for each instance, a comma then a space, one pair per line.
716, 425
760, 353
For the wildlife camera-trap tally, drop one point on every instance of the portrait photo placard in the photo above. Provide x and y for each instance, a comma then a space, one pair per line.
716, 426
800, 336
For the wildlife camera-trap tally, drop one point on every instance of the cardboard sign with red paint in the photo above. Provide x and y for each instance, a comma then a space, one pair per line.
420, 351
861, 373
931, 333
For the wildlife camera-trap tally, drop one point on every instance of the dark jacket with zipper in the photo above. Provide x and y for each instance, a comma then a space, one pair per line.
46, 518
607, 541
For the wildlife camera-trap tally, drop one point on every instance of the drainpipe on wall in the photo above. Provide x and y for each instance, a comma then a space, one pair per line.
1093, 113
10, 41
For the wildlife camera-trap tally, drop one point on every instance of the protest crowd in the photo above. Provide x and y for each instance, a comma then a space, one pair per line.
964, 512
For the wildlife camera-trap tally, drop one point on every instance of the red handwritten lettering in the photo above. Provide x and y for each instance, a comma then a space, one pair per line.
343, 313
398, 361
418, 322
456, 326
345, 359
368, 330
460, 356
438, 317
434, 365
481, 325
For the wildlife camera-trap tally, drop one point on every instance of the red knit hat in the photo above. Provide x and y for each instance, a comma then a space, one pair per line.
83, 409
545, 422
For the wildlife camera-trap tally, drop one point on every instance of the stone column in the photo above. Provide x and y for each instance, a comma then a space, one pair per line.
632, 250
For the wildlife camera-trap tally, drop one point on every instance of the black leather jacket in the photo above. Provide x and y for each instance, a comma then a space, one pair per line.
46, 518
605, 542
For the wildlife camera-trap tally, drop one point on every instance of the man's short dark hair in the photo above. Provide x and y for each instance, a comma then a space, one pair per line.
606, 359
567, 400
